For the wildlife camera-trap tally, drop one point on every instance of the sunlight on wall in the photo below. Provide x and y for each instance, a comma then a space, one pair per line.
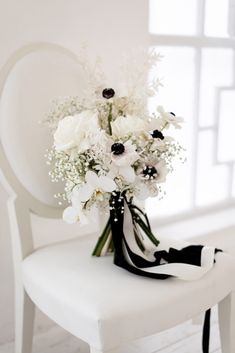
198, 77
163, 19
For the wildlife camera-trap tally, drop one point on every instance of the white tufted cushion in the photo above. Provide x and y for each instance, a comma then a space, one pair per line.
32, 84
105, 305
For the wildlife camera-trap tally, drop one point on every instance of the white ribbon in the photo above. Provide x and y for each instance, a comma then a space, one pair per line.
182, 271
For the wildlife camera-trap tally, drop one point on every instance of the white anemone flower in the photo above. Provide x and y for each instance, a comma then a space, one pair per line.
156, 172
146, 183
123, 156
170, 118
95, 184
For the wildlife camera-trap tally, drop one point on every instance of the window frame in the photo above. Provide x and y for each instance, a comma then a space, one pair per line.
198, 42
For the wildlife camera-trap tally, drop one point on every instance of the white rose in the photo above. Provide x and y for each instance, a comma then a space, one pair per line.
74, 131
125, 125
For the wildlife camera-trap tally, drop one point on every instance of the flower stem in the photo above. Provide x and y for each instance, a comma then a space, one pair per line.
164, 126
144, 225
148, 232
110, 119
102, 239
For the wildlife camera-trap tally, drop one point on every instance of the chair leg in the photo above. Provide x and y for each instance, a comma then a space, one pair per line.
24, 321
227, 323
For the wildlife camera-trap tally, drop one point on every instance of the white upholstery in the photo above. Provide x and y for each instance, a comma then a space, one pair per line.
32, 84
105, 305
223, 239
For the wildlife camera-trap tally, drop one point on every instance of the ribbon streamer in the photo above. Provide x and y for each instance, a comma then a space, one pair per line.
135, 251
128, 234
171, 259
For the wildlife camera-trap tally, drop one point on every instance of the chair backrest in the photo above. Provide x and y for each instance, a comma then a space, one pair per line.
30, 80
36, 76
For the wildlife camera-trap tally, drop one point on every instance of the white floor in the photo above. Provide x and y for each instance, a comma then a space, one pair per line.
184, 338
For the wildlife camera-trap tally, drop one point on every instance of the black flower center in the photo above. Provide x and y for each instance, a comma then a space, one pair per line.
172, 113
157, 135
108, 93
149, 172
117, 148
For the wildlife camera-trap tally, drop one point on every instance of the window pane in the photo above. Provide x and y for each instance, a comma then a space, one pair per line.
216, 18
172, 17
217, 70
212, 180
177, 96
226, 140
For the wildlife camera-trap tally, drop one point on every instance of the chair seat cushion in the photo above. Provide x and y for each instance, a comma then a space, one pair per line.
106, 305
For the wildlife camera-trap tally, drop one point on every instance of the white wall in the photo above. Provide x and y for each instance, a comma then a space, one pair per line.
109, 27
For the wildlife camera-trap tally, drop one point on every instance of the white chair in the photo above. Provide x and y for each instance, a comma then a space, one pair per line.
89, 297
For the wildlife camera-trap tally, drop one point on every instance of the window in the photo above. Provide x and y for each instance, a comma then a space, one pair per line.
195, 39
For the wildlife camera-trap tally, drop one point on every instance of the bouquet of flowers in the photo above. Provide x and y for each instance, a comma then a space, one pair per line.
111, 152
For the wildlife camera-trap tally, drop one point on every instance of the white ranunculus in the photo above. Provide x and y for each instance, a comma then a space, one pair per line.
125, 125
76, 131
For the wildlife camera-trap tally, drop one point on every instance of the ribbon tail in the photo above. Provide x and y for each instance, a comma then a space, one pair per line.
188, 262
206, 332
122, 251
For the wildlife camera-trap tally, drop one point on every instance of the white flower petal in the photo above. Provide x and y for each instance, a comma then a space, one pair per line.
129, 124
71, 215
126, 159
75, 215
113, 172
162, 172
92, 178
169, 118
83, 219
106, 184
160, 109
127, 173
142, 192
85, 192
76, 202
64, 134
76, 131
154, 124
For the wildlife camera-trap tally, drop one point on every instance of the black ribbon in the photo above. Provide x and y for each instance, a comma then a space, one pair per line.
206, 332
188, 255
